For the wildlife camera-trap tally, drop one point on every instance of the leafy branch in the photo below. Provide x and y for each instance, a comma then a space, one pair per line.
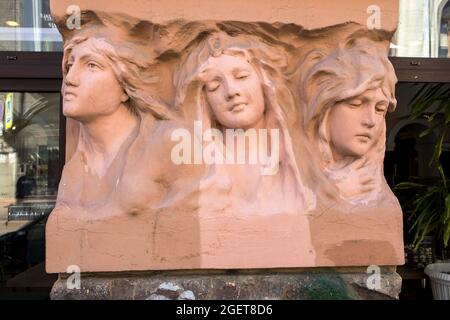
431, 213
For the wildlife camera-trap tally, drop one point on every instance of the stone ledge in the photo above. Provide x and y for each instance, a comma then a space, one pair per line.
339, 284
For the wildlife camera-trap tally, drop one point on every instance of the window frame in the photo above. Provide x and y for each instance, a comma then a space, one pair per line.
35, 72
422, 69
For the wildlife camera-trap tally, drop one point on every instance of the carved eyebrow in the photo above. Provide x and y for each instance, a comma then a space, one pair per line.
209, 74
70, 59
353, 100
210, 70
89, 56
240, 69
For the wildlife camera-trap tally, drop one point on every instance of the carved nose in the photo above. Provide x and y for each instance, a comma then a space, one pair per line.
71, 78
232, 91
369, 124
70, 81
231, 95
369, 119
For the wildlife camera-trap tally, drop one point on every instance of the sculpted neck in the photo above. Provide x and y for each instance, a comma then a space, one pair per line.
340, 161
102, 137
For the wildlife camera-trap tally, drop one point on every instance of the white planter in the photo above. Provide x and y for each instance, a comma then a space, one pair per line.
440, 281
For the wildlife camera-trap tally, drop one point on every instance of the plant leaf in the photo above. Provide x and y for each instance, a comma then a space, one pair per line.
446, 214
423, 231
419, 92
408, 185
437, 149
442, 174
447, 113
446, 234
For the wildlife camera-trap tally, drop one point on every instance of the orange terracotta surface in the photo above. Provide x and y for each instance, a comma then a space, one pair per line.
310, 14
123, 204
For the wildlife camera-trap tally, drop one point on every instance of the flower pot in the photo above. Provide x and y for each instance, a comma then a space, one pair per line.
439, 274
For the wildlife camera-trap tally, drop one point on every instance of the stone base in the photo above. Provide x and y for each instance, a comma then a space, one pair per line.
298, 284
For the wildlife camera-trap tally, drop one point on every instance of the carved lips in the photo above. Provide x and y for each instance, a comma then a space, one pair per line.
238, 106
69, 95
364, 137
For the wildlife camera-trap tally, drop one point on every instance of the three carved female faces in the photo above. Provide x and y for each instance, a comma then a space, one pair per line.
356, 124
233, 91
90, 87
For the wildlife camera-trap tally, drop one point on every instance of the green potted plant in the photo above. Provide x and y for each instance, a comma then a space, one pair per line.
430, 214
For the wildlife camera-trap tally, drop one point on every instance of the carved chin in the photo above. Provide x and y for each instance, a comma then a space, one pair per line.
237, 122
69, 109
359, 150
346, 152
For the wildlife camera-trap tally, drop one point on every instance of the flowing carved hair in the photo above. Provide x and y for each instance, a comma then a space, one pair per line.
129, 69
280, 109
329, 79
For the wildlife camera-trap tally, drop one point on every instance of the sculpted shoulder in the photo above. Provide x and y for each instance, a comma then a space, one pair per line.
159, 138
157, 134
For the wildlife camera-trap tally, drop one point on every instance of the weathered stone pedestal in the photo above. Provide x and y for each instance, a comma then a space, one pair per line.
291, 284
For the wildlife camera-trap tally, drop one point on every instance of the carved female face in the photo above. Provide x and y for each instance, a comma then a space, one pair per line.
234, 92
90, 87
356, 124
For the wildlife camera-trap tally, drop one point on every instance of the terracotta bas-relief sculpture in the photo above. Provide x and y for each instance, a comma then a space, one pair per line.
235, 95
119, 135
346, 95
227, 88
151, 181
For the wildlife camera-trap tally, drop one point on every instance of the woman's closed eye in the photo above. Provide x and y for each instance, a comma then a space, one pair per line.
212, 85
355, 102
381, 108
242, 75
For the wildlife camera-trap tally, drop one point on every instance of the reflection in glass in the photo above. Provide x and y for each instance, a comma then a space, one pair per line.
423, 29
26, 25
444, 36
29, 154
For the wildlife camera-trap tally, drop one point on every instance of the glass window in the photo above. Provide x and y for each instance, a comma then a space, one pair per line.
444, 36
423, 29
29, 157
26, 25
